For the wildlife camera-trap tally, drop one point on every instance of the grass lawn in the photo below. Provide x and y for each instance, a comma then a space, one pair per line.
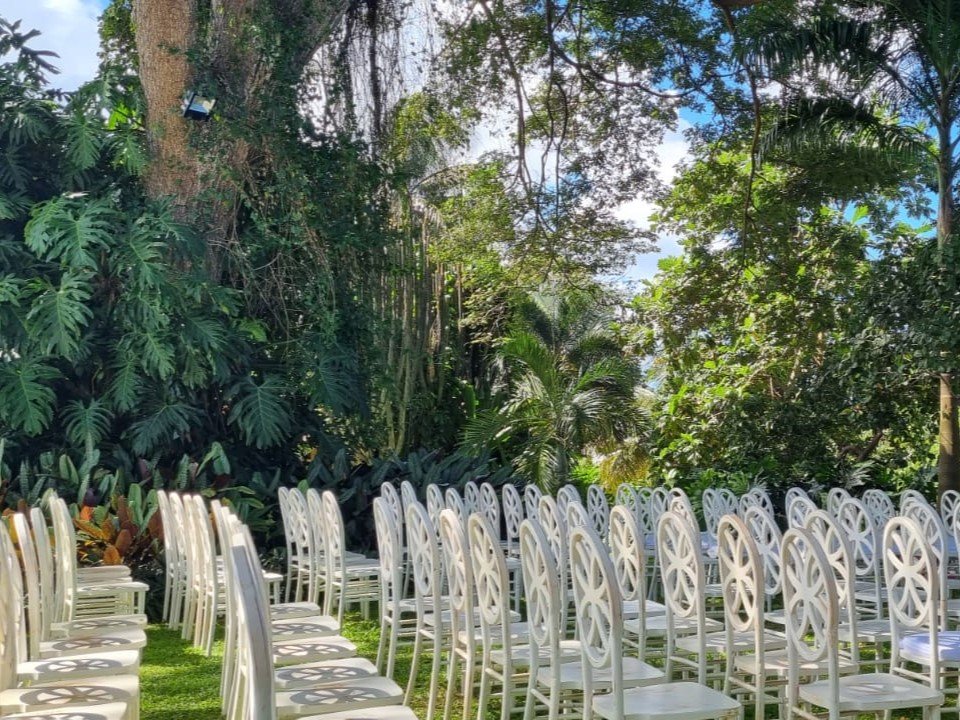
178, 682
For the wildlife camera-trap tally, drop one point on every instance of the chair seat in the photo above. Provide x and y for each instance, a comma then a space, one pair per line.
308, 651
301, 628
121, 640
775, 664
569, 652
872, 693
111, 587
635, 674
717, 642
294, 610
657, 626
776, 617
873, 631
108, 711
519, 633
93, 626
79, 667
70, 694
389, 712
917, 647
631, 609
430, 619
342, 697
102, 572
668, 701
367, 568
327, 672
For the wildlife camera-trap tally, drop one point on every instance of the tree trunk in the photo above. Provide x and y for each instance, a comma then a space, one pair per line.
948, 464
165, 30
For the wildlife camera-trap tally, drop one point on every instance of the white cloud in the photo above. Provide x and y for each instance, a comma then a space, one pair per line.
69, 29
673, 150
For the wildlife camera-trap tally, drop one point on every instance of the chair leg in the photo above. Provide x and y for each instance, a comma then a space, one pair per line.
451, 682
435, 674
392, 648
467, 685
483, 698
382, 644
414, 665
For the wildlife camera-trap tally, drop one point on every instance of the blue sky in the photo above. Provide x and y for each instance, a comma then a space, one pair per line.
69, 29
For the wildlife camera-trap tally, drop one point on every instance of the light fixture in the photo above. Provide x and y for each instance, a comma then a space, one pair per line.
197, 107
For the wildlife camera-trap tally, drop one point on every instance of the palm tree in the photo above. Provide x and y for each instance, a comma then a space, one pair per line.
904, 54
566, 385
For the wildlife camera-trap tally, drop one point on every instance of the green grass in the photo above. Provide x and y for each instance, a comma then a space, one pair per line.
177, 681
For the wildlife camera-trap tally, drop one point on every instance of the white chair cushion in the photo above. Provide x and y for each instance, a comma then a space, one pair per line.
917, 647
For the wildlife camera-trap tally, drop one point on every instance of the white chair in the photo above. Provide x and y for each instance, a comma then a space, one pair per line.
432, 610
555, 526
628, 497
910, 495
301, 557
687, 629
864, 537
792, 493
628, 555
119, 636
797, 510
347, 582
174, 567
435, 503
913, 591
879, 505
598, 615
835, 498
110, 596
456, 504
948, 505
767, 538
453, 543
512, 517
598, 509
61, 692
471, 497
565, 495
502, 641
812, 610
391, 585
746, 641
258, 696
408, 494
531, 500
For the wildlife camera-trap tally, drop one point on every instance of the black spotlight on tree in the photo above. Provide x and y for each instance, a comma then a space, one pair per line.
197, 107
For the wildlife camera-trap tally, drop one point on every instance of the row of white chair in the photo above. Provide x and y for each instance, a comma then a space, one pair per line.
70, 638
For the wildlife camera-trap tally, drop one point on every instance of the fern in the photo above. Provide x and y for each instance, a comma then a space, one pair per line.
26, 400
161, 427
71, 230
86, 424
59, 315
260, 411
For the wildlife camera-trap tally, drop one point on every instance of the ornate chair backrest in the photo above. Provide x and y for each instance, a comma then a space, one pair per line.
389, 552
768, 540
490, 505
835, 498
435, 503
598, 508
456, 504
471, 497
741, 582
491, 583
880, 505
599, 614
512, 514
811, 608
425, 558
797, 510
541, 589
531, 500
913, 597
